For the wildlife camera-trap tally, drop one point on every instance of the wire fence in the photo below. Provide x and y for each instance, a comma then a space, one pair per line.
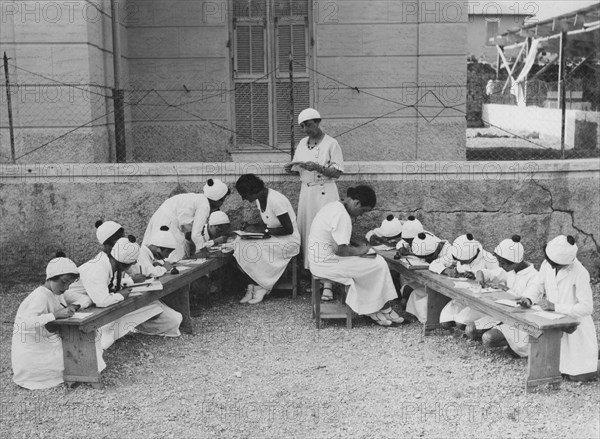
69, 119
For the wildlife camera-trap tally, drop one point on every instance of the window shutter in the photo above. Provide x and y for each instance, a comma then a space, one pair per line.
252, 114
249, 48
301, 101
291, 37
249, 8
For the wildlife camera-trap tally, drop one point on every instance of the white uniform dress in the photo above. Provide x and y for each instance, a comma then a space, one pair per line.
92, 288
571, 293
37, 354
418, 299
180, 210
146, 264
454, 310
517, 283
317, 190
371, 285
264, 260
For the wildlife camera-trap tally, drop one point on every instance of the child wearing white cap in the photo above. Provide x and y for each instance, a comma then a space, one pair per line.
37, 354
100, 284
216, 230
388, 233
514, 277
563, 285
186, 215
107, 233
152, 259
410, 229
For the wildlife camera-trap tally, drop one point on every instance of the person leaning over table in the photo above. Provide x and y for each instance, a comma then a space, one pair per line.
215, 231
334, 256
100, 284
264, 260
319, 162
185, 215
36, 353
563, 285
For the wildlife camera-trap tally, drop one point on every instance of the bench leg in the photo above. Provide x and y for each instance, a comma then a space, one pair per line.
544, 360
316, 301
435, 304
180, 301
79, 354
295, 277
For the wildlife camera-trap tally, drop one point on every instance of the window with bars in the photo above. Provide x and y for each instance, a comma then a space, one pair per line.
264, 33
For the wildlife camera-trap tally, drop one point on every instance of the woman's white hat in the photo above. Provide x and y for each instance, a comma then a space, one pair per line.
218, 217
465, 247
308, 114
411, 228
562, 250
215, 189
163, 237
105, 230
511, 249
58, 266
425, 243
126, 250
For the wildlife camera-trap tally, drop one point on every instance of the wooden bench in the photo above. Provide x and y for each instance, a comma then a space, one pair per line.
334, 310
79, 335
544, 335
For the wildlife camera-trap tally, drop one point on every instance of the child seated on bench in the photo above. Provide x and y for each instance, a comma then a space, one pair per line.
100, 284
152, 259
388, 234
563, 286
410, 229
37, 354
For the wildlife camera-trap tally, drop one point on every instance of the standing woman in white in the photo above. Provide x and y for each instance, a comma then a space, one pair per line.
319, 162
332, 255
185, 215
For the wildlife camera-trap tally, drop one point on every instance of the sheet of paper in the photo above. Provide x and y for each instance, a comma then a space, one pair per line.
508, 302
382, 247
242, 233
154, 286
549, 315
81, 315
191, 262
137, 284
181, 268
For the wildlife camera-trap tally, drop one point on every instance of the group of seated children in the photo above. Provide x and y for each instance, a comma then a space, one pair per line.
187, 223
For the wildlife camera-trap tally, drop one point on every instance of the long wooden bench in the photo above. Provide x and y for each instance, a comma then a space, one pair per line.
544, 335
79, 335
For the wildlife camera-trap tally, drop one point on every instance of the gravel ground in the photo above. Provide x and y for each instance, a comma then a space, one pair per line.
264, 371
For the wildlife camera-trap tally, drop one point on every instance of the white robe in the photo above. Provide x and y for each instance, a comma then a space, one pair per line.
175, 212
370, 281
264, 260
36, 353
571, 293
316, 190
92, 288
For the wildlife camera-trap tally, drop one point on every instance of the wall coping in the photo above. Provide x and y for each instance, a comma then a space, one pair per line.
60, 173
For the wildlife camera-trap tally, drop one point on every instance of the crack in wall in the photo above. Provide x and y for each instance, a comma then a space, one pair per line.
570, 212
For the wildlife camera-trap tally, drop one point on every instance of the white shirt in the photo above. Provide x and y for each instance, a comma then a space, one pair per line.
326, 153
331, 228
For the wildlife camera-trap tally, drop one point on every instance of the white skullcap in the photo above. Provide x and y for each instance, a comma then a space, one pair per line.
465, 247
391, 226
308, 114
105, 230
562, 250
126, 250
218, 217
411, 228
215, 189
58, 266
163, 238
511, 249
425, 244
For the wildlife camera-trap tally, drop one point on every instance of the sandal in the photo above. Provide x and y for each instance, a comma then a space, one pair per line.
380, 319
392, 316
327, 297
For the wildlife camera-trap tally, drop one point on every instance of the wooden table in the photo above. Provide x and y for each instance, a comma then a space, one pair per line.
79, 335
544, 335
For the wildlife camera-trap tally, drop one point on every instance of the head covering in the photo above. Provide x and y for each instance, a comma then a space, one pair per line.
562, 250
163, 238
218, 217
465, 247
308, 114
126, 250
215, 189
390, 226
411, 228
425, 243
511, 249
105, 230
58, 266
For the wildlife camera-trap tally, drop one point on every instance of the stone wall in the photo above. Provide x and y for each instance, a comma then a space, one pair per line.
49, 207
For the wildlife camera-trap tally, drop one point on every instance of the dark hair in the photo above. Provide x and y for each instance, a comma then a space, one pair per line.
364, 194
249, 184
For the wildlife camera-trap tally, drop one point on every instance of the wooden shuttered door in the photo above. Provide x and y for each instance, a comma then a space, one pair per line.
265, 32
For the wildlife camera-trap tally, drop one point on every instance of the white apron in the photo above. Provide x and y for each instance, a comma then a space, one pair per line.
264, 260
371, 285
36, 353
316, 190
571, 293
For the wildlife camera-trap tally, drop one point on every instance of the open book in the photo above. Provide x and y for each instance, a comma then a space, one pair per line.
250, 235
154, 286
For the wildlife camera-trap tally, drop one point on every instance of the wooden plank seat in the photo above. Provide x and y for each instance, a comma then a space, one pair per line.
333, 310
544, 335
